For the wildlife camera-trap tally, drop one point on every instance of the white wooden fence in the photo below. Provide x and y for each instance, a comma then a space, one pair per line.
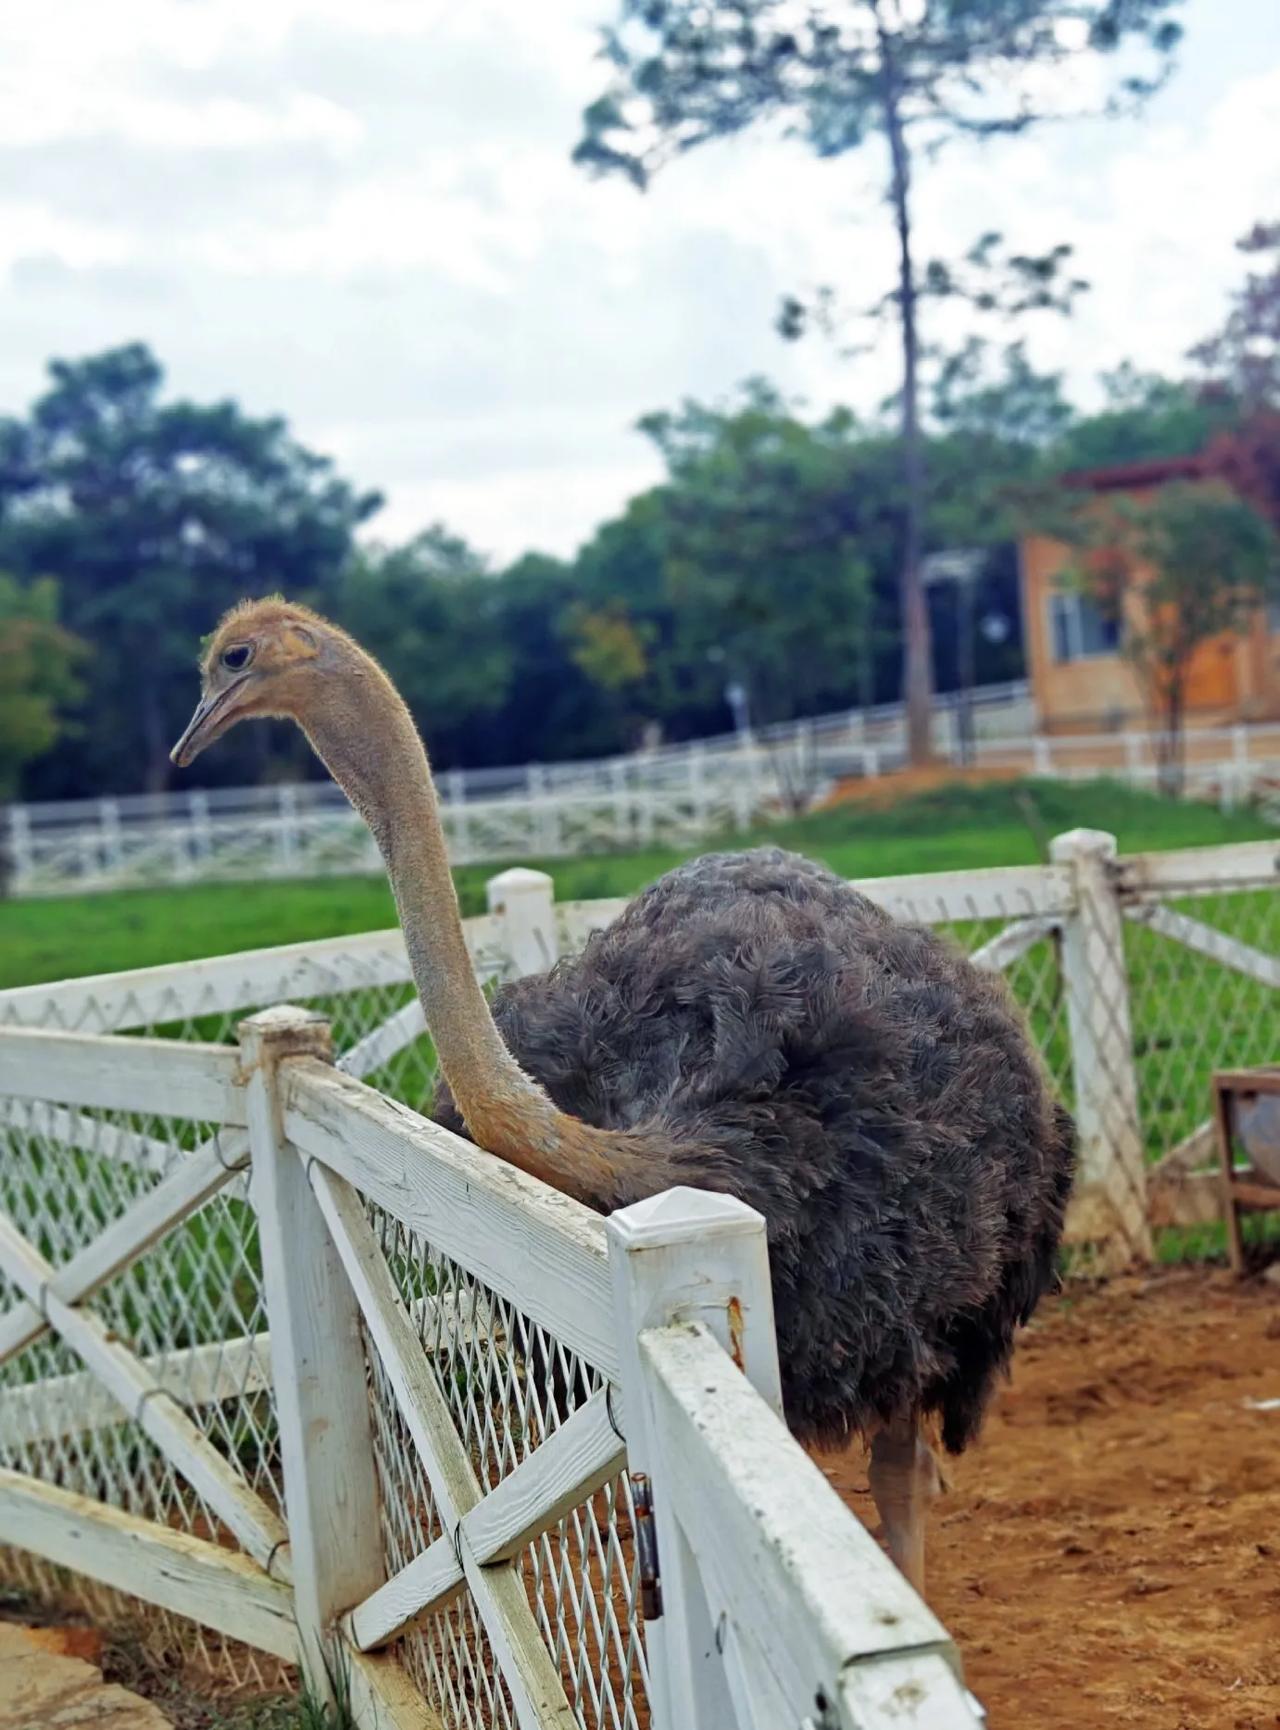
281, 1357
676, 797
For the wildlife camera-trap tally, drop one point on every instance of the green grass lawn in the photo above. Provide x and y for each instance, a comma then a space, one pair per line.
954, 829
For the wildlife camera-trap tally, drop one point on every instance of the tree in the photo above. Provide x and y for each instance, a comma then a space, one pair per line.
646, 662
839, 72
1242, 359
767, 549
431, 613
1144, 418
1241, 371
39, 663
1018, 408
154, 516
1189, 564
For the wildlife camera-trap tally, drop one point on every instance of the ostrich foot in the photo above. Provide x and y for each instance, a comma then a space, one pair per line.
904, 1479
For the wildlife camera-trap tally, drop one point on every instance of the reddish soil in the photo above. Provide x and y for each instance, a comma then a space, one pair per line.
1109, 1552
904, 783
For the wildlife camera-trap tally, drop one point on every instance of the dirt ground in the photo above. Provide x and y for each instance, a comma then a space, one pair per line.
1109, 1552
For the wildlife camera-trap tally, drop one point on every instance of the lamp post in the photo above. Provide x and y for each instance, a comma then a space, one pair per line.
962, 566
735, 695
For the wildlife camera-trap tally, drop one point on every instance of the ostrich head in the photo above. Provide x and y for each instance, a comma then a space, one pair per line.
265, 658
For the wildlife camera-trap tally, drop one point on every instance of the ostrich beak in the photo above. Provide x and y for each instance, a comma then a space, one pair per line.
214, 714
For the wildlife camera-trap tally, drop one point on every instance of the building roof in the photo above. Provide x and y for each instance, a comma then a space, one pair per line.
1125, 476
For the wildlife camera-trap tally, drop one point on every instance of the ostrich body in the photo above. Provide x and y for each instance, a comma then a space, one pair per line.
750, 1024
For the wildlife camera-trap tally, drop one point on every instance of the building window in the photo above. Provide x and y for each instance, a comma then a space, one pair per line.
1079, 629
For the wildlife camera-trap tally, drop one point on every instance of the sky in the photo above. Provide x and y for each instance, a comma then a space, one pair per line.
364, 217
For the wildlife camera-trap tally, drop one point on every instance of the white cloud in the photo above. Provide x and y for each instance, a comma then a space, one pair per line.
29, 118
31, 231
366, 218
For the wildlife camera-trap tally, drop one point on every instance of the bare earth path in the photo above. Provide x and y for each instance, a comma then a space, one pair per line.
1109, 1553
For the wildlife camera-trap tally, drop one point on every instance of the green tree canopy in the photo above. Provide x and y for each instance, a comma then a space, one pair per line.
431, 611
154, 515
1144, 418
40, 664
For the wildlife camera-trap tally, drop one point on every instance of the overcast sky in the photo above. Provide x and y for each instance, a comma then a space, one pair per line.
362, 214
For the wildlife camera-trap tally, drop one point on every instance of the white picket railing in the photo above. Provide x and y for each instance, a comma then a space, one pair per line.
673, 798
673, 795
279, 1353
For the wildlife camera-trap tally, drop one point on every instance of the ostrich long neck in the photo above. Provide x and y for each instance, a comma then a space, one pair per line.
366, 737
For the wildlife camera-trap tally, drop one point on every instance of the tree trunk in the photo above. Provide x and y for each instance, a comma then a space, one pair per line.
917, 668
1172, 766
155, 741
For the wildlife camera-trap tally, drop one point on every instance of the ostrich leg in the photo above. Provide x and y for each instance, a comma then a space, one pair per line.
904, 1479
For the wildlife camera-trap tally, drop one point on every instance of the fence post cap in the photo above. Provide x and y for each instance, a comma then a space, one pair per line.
289, 1030
682, 1215
519, 880
1083, 843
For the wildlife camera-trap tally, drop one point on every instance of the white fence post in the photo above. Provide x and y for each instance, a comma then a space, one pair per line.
317, 1356
201, 828
109, 821
288, 832
698, 792
1238, 776
1110, 1202
21, 858
525, 902
687, 1255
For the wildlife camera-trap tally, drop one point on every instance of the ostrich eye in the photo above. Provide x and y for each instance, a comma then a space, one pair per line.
236, 657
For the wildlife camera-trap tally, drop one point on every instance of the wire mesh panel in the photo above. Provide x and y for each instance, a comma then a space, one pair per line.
508, 1386
190, 1308
1196, 1012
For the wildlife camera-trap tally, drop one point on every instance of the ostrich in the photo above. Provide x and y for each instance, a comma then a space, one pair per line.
752, 1025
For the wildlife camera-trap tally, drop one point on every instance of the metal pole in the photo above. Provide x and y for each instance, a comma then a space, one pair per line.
966, 655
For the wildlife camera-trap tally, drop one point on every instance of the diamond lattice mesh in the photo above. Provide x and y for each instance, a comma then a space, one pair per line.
190, 1308
1194, 1014
508, 1386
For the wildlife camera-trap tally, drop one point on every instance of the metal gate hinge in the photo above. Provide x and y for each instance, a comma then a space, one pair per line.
647, 1548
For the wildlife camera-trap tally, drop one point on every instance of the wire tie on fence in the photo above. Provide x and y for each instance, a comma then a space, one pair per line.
608, 1412
147, 1394
457, 1547
721, 1630
240, 1165
279, 1544
306, 1172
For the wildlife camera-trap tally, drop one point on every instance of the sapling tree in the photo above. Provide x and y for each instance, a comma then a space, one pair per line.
1189, 564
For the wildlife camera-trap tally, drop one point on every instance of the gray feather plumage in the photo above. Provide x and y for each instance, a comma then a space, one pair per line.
858, 1081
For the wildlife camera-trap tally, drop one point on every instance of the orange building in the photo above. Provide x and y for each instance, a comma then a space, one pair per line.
1080, 681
